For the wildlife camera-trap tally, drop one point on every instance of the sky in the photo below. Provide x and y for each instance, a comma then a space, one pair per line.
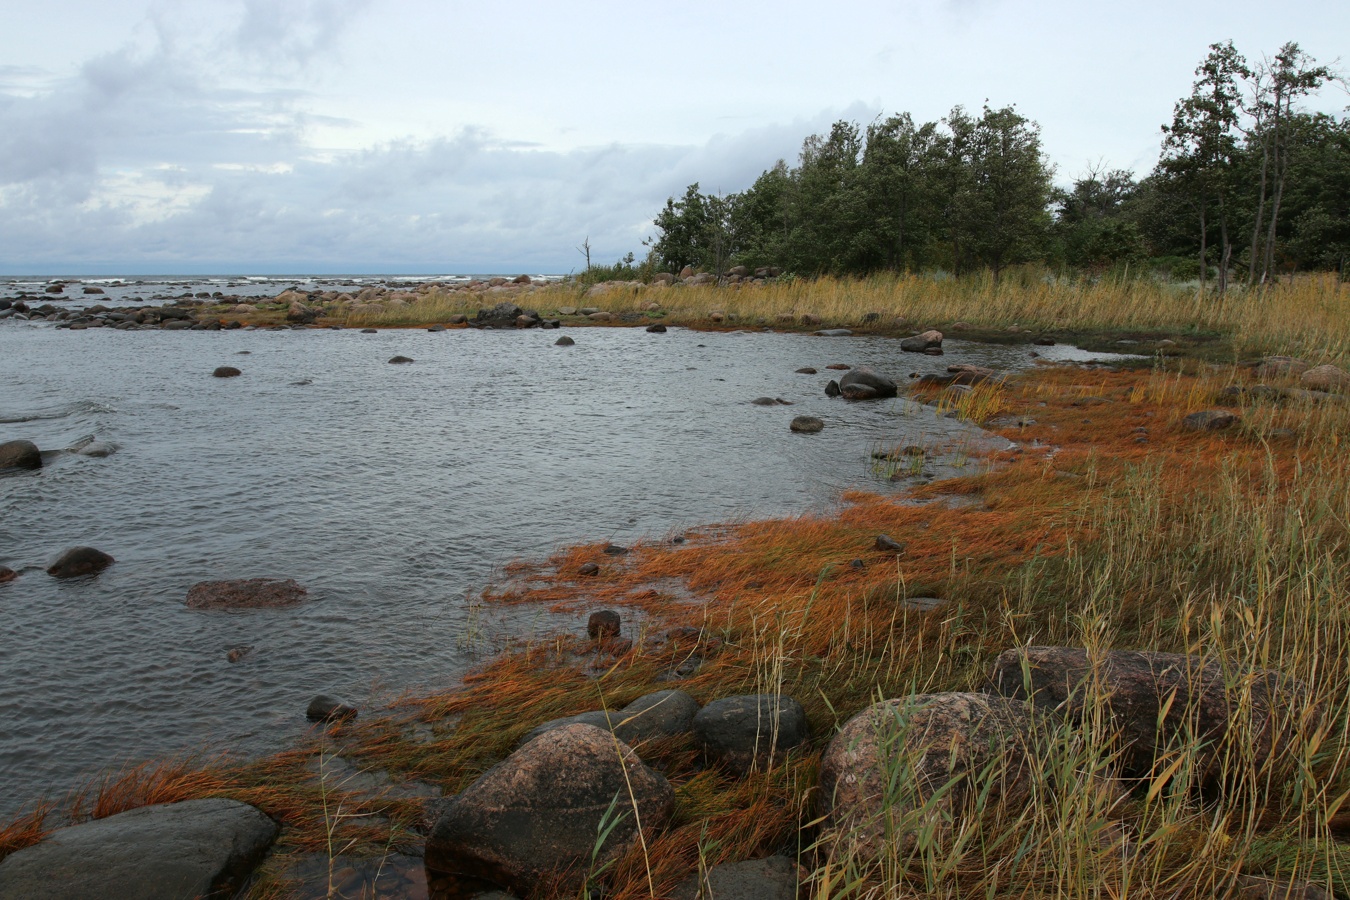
269, 136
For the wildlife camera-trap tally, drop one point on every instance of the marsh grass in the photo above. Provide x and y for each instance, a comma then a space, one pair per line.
1232, 546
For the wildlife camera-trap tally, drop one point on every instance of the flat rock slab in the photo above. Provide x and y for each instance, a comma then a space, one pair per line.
657, 715
750, 730
169, 851
246, 593
771, 878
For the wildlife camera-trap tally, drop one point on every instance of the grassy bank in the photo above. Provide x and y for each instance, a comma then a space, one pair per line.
1310, 316
1232, 544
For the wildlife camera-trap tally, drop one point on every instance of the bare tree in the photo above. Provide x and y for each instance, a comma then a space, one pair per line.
585, 250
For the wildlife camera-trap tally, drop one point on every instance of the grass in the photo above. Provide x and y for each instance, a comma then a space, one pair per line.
1307, 316
1233, 546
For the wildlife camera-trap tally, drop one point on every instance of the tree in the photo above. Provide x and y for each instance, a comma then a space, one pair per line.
695, 231
1200, 146
1088, 218
999, 183
897, 177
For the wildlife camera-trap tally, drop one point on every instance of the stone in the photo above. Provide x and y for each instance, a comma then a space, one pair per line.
370, 331
1210, 420
226, 372
503, 315
858, 392
235, 654
771, 878
97, 450
168, 851
879, 385
324, 708
881, 774
658, 328
1202, 701
589, 568
811, 319
764, 401
806, 370
1276, 366
920, 343
522, 279
886, 544
832, 388
807, 425
564, 341
20, 455
833, 332
964, 373
657, 715
246, 593
79, 561
436, 329
457, 319
7, 574
603, 624
1325, 378
400, 360
750, 731
534, 817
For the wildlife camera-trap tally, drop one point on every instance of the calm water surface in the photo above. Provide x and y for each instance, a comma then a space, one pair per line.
392, 492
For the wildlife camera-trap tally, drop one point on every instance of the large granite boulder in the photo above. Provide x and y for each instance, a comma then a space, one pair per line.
170, 851
875, 385
753, 730
901, 762
534, 818
1325, 378
928, 340
1155, 700
20, 455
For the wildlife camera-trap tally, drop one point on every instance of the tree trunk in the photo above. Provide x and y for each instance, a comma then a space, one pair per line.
1260, 215
1226, 249
1203, 264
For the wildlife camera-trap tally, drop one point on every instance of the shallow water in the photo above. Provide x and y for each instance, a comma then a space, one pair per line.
390, 491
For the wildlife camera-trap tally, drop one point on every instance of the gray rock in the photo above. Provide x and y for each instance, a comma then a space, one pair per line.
886, 544
603, 624
400, 360
20, 455
832, 388
564, 341
661, 714
771, 878
97, 449
834, 332
226, 372
889, 762
807, 425
920, 343
656, 329
246, 593
164, 852
79, 561
1210, 420
535, 815
764, 401
753, 730
324, 708
880, 385
1325, 378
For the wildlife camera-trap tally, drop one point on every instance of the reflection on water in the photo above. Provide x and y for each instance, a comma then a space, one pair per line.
391, 492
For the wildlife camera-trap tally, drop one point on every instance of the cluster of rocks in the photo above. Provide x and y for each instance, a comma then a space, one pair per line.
77, 562
167, 318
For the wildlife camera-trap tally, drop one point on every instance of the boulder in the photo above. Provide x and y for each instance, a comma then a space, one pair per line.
858, 392
97, 449
503, 315
324, 708
564, 341
226, 372
658, 328
1325, 378
1210, 420
20, 455
807, 425
79, 561
749, 731
764, 401
1276, 366
589, 568
771, 878
881, 775
964, 373
657, 715
400, 360
534, 817
169, 851
246, 593
7, 574
603, 624
832, 388
1202, 702
806, 370
887, 544
880, 385
920, 343
522, 279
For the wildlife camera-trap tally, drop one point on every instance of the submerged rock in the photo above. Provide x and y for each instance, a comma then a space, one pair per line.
564, 341
7, 574
79, 561
246, 593
20, 455
324, 708
196, 848
536, 816
807, 425
226, 372
400, 360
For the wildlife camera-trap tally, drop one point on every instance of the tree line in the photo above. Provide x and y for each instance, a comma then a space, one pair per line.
1248, 185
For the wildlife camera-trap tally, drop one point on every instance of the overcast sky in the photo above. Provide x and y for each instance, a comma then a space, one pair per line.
256, 136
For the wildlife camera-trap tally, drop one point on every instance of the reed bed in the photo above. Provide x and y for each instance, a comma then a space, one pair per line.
1232, 546
1308, 315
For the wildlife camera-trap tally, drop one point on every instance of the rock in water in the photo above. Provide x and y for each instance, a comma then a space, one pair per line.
20, 455
245, 593
750, 730
564, 341
169, 851
1203, 701
324, 708
929, 340
881, 775
807, 425
603, 625
7, 574
400, 360
79, 561
536, 815
226, 372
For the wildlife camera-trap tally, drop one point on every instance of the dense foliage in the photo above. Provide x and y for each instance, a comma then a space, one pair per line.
1248, 185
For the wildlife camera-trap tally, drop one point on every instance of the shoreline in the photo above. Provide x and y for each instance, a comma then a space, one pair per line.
1077, 431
